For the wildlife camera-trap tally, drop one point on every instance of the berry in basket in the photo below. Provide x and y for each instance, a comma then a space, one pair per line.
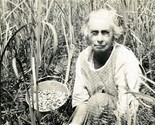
49, 99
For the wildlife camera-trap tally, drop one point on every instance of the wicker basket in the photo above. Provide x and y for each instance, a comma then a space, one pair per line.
52, 86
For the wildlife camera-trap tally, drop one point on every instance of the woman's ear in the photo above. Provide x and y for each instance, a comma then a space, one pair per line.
118, 31
84, 30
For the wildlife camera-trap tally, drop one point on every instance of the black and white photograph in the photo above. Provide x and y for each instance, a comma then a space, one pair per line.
77, 62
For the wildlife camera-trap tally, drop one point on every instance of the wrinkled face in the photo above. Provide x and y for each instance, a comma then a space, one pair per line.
100, 34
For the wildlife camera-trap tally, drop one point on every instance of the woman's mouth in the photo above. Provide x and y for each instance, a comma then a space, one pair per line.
99, 46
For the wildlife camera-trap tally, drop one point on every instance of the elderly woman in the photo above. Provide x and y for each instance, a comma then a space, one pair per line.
105, 71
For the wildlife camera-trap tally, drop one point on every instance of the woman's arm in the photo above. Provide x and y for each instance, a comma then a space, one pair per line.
127, 79
80, 93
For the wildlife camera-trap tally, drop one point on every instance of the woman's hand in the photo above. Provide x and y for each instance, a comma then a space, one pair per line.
98, 102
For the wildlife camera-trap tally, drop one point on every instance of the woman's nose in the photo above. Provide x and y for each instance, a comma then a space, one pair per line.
100, 38
100, 41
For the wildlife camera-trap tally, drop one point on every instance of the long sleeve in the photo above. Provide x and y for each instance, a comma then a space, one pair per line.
80, 93
127, 78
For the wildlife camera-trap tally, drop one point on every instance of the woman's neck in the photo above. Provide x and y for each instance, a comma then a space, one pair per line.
100, 58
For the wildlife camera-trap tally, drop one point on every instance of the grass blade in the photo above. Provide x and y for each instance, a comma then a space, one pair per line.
147, 79
55, 41
142, 96
14, 66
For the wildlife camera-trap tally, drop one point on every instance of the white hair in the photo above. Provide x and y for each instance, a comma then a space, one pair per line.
103, 14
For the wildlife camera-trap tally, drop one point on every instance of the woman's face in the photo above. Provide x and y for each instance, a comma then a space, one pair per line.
100, 34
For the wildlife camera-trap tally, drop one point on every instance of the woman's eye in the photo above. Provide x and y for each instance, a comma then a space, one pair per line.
105, 32
94, 33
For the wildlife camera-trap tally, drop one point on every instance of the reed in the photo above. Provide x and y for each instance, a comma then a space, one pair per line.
43, 33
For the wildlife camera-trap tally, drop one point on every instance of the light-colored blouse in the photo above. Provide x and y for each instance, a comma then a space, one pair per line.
118, 75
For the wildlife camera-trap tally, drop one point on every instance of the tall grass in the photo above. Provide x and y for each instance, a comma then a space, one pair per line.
50, 43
